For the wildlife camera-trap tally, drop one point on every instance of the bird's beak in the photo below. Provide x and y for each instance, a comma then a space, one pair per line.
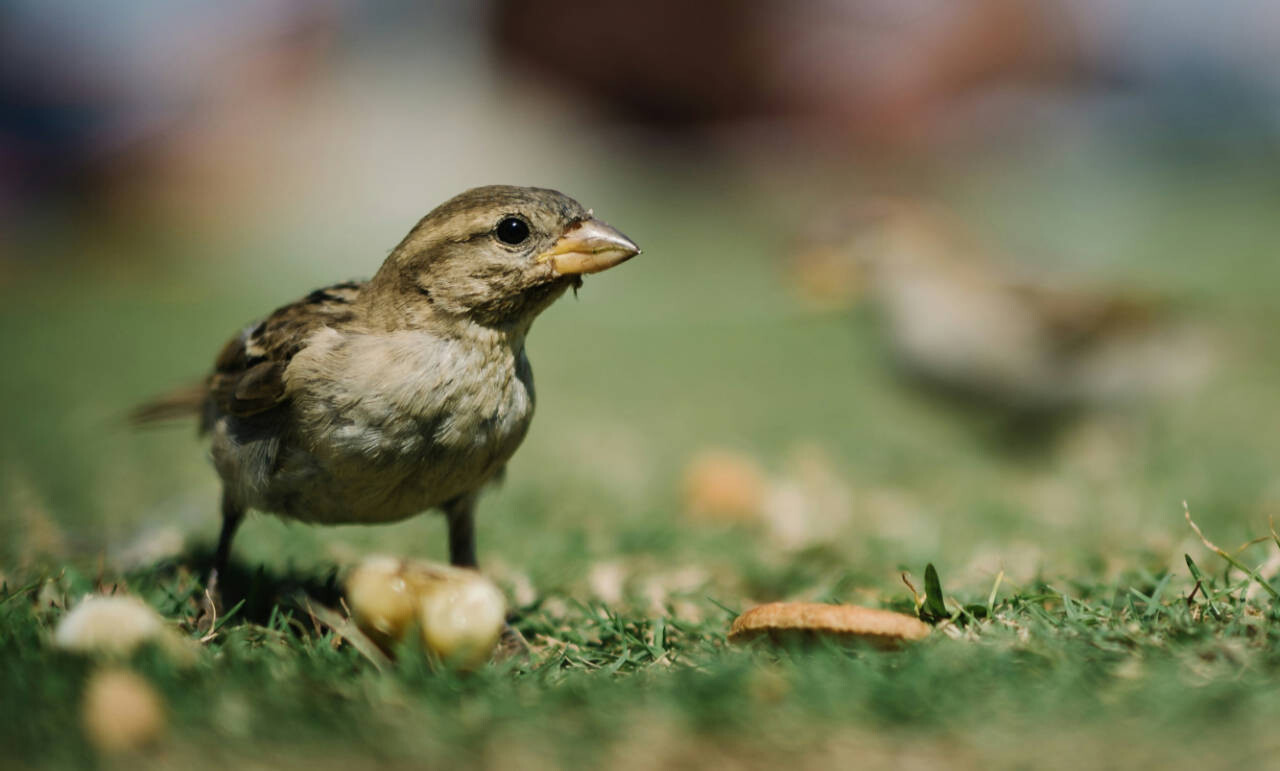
589, 246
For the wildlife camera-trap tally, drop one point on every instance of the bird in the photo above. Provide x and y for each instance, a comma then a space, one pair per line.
374, 401
960, 317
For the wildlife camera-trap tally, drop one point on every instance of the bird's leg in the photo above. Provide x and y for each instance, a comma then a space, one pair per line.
232, 514
460, 513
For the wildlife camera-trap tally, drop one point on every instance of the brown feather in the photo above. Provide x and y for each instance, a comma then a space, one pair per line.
248, 375
185, 402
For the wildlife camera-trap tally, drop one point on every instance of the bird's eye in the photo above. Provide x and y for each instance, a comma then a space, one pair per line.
512, 230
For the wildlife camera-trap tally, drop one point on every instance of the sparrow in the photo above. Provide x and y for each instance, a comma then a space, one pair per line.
373, 401
961, 317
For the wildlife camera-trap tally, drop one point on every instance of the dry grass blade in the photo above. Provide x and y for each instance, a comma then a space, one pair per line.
1237, 564
346, 629
915, 596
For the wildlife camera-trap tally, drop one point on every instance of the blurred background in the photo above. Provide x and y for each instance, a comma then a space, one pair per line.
984, 282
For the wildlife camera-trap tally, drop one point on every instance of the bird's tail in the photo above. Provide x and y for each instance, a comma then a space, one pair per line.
186, 402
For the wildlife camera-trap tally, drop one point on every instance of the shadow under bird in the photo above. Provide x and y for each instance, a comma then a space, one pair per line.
373, 401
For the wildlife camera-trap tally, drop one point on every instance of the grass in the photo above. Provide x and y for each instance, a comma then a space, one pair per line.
1134, 670
1082, 622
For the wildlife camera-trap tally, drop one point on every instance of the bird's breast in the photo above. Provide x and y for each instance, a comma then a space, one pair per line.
397, 423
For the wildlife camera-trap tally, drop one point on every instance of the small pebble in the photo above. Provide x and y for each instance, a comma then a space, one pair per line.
114, 625
459, 613
121, 712
721, 486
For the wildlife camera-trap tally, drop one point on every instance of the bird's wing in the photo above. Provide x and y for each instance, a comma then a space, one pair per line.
1077, 318
248, 377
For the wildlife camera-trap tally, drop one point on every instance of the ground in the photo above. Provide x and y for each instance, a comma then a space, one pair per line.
1077, 635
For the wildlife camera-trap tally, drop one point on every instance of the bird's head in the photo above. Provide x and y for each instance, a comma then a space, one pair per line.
858, 246
497, 256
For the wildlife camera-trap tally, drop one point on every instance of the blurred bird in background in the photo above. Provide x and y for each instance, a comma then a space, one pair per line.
964, 318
